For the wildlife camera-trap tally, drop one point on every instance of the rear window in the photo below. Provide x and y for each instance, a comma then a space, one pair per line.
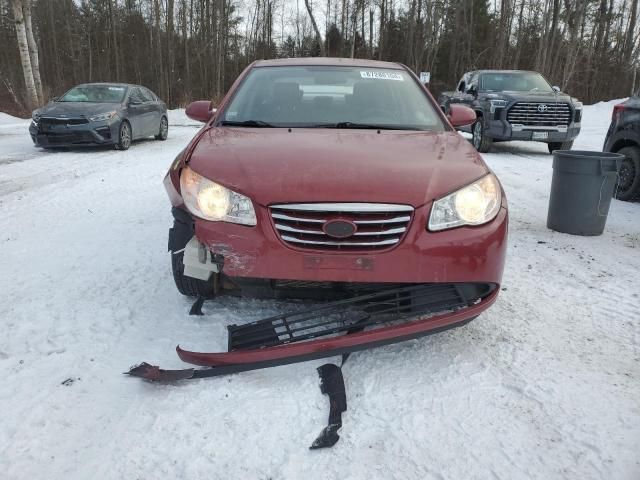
324, 96
514, 82
95, 94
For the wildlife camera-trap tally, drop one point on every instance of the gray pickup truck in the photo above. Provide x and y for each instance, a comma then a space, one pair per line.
516, 105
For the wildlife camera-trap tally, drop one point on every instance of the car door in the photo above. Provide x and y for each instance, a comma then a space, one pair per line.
156, 111
151, 115
136, 111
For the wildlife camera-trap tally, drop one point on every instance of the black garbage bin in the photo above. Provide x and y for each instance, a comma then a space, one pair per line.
581, 191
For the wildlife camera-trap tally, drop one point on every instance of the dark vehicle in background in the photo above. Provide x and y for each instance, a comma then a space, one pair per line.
624, 137
516, 105
100, 114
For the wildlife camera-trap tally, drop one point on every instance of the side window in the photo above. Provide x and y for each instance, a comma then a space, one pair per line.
473, 83
462, 85
147, 95
136, 96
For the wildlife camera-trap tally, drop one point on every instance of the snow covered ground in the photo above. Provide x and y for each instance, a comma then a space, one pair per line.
544, 385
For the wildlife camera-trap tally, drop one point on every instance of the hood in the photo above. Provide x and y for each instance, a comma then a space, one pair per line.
76, 109
318, 165
530, 97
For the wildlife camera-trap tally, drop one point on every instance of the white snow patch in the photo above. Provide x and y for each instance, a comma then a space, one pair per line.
546, 384
6, 119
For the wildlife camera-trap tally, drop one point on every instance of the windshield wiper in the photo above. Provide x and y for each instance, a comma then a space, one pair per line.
246, 123
367, 126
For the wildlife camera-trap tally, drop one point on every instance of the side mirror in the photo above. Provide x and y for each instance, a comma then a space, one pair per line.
201, 110
472, 90
461, 115
556, 89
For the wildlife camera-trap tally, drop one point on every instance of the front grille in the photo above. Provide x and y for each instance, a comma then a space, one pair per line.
539, 114
45, 121
67, 138
370, 306
378, 225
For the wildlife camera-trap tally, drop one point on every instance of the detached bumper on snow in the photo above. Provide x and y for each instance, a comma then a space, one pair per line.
376, 317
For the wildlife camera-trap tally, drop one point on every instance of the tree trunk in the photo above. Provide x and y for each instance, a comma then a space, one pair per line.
629, 42
114, 37
170, 53
33, 49
23, 47
315, 27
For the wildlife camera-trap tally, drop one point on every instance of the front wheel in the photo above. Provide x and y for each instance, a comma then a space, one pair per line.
481, 142
553, 146
163, 131
124, 136
191, 287
629, 174
179, 236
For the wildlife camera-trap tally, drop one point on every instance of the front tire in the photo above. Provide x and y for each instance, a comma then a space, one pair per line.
163, 131
629, 175
124, 136
481, 142
179, 236
553, 146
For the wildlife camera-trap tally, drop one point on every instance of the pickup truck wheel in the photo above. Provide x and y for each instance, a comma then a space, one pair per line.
480, 140
629, 174
559, 146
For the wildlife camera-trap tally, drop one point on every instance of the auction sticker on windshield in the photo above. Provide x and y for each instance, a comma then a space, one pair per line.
382, 75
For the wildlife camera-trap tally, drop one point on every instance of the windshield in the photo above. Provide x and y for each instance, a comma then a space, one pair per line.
340, 97
95, 94
514, 82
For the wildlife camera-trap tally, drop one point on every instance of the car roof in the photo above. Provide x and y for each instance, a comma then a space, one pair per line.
504, 71
110, 84
328, 62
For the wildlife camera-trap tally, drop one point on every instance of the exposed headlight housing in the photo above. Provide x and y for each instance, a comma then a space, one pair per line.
103, 116
497, 104
212, 201
35, 116
474, 204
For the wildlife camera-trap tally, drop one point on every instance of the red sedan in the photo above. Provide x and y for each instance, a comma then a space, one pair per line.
341, 181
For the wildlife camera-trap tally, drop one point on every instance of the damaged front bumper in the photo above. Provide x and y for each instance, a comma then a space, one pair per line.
52, 132
374, 318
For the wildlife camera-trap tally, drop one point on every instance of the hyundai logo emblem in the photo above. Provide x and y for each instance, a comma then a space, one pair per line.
339, 228
542, 108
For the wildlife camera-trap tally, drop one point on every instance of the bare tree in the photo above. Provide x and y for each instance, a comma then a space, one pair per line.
33, 49
23, 46
315, 27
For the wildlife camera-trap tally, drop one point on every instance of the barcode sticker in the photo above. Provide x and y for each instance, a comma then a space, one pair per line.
382, 76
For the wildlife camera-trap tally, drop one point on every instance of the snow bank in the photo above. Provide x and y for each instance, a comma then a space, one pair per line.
179, 117
6, 119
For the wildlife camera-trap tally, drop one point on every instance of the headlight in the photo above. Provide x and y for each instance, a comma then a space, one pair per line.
103, 116
474, 204
577, 105
35, 116
497, 104
211, 201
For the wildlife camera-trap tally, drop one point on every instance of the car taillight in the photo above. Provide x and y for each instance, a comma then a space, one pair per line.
617, 110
